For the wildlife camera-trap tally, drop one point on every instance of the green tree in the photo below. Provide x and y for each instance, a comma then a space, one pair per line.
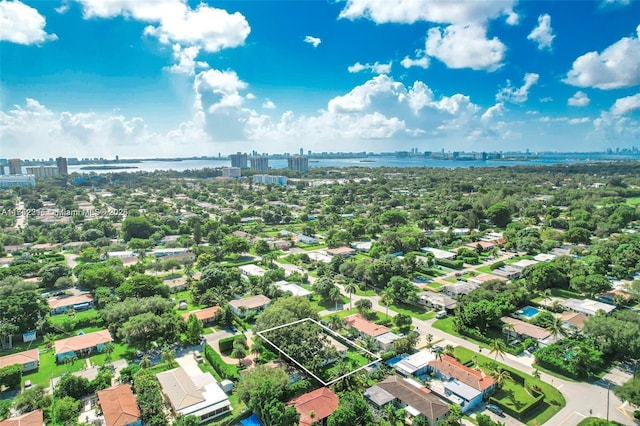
72, 386
51, 272
194, 330
142, 285
100, 276
364, 307
501, 376
136, 227
31, 400
386, 297
499, 214
67, 410
350, 288
629, 391
352, 411
403, 321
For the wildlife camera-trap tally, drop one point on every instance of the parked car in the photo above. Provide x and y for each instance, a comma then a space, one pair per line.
495, 409
441, 314
198, 357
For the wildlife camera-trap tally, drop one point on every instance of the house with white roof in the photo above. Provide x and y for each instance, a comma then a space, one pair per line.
416, 364
200, 395
252, 270
587, 307
295, 289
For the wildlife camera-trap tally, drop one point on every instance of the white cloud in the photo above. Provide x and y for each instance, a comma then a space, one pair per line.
520, 94
465, 46
174, 21
314, 41
437, 11
376, 68
626, 105
22, 24
185, 58
616, 2
617, 66
494, 111
268, 104
420, 60
581, 120
543, 33
579, 99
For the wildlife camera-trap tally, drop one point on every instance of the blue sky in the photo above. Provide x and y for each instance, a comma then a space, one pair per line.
154, 78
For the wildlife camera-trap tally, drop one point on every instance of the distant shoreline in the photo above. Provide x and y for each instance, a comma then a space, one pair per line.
108, 167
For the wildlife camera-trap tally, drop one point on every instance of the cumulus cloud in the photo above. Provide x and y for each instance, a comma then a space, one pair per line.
314, 41
437, 11
268, 104
174, 21
376, 68
465, 46
581, 120
543, 33
617, 66
22, 24
520, 94
579, 99
420, 60
626, 105
493, 112
185, 58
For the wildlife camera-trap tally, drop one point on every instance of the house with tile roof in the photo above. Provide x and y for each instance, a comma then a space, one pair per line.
200, 395
33, 418
81, 345
315, 406
206, 315
516, 328
365, 327
416, 399
80, 302
256, 303
30, 360
119, 406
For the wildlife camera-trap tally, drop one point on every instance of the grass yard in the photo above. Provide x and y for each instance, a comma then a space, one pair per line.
49, 369
414, 311
369, 292
595, 421
633, 201
446, 325
186, 295
485, 269
515, 394
91, 315
435, 286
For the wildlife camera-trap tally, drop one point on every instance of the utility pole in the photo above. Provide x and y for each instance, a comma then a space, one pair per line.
608, 394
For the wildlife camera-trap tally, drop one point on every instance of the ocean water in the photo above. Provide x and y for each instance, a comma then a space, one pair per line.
375, 161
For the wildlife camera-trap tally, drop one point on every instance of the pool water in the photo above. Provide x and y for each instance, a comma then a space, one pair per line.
393, 361
528, 312
251, 421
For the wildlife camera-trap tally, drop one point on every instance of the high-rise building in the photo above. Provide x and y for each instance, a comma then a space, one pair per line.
15, 166
63, 169
232, 172
298, 163
1, 170
267, 179
42, 171
260, 164
22, 180
301, 151
239, 160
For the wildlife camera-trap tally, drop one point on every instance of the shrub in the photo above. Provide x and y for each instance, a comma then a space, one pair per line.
453, 264
225, 370
11, 376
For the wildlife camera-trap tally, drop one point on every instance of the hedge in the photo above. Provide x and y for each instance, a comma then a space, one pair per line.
226, 345
225, 370
519, 413
453, 264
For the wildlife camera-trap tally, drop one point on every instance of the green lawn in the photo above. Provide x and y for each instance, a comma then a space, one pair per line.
415, 311
88, 315
365, 293
485, 269
553, 402
595, 421
633, 201
186, 295
446, 325
434, 285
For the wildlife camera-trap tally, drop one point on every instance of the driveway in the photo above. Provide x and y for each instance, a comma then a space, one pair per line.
189, 364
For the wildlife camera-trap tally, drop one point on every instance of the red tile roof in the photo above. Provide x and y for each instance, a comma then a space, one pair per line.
118, 405
451, 367
365, 326
20, 358
69, 301
34, 418
85, 341
340, 250
203, 314
323, 402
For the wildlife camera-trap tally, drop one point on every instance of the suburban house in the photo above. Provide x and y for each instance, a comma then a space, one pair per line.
437, 301
521, 264
362, 246
412, 396
415, 365
206, 315
573, 321
33, 418
544, 257
517, 329
81, 345
509, 272
255, 303
587, 307
483, 278
252, 270
454, 374
119, 406
341, 251
365, 328
305, 239
315, 406
484, 245
614, 297
169, 251
200, 395
294, 289
439, 254
81, 302
459, 288
176, 284
30, 360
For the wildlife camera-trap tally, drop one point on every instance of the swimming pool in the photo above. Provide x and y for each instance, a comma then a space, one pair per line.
251, 421
396, 359
528, 312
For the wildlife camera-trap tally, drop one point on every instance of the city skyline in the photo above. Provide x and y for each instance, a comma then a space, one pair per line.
177, 78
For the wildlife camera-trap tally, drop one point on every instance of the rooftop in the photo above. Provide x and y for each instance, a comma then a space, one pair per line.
83, 341
451, 367
69, 301
252, 302
119, 405
203, 314
365, 326
525, 329
419, 399
33, 418
323, 402
20, 358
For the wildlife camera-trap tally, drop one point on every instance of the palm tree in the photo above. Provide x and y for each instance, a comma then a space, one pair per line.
350, 288
546, 295
448, 350
500, 376
257, 348
108, 349
438, 352
556, 328
429, 338
369, 343
386, 297
168, 356
498, 348
238, 352
509, 329
335, 295
145, 362
335, 323
536, 374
